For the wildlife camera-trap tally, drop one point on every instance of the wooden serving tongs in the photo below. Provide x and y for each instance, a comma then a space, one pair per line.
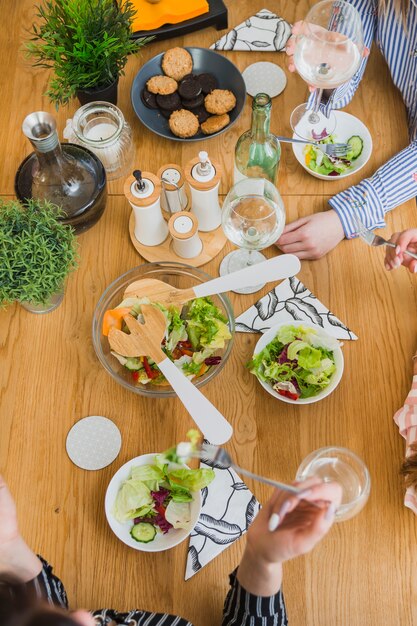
276, 268
145, 340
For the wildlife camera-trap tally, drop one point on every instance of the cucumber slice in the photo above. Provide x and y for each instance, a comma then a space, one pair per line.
143, 532
356, 143
133, 363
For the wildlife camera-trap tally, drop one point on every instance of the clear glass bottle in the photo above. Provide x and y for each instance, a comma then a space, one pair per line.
69, 176
258, 152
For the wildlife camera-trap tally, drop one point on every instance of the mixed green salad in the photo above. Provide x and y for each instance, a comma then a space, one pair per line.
298, 363
192, 337
157, 497
322, 163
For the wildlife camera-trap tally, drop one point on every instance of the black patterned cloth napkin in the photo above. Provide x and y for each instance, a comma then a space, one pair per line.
264, 32
228, 509
289, 301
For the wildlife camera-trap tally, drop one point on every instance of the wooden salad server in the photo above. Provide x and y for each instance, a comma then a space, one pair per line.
279, 267
145, 340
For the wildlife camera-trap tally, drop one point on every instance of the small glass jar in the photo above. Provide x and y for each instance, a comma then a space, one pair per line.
102, 128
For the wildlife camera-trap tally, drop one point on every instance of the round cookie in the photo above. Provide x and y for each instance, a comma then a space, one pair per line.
208, 82
183, 124
169, 103
215, 123
177, 63
162, 85
194, 103
189, 88
220, 101
201, 114
148, 99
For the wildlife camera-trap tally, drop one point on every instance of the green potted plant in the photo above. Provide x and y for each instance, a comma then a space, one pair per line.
37, 252
86, 43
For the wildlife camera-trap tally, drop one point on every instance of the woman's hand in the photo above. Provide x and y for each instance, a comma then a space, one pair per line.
394, 257
17, 561
286, 527
298, 29
313, 236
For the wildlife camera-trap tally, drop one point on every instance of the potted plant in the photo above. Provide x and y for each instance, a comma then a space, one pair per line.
37, 252
86, 43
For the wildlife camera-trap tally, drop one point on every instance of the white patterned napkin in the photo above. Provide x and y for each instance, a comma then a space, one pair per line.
290, 301
263, 32
228, 510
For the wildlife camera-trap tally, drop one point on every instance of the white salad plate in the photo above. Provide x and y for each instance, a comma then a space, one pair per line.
346, 126
338, 359
122, 530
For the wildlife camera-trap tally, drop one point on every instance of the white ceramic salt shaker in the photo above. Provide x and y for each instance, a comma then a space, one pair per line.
144, 194
173, 195
203, 177
183, 227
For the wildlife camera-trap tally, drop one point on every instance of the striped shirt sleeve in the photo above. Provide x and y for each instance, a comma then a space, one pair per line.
341, 96
406, 420
391, 185
241, 608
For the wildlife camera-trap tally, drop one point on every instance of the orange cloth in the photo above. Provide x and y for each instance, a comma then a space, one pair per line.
150, 16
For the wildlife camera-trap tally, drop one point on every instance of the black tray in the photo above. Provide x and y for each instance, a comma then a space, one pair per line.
217, 16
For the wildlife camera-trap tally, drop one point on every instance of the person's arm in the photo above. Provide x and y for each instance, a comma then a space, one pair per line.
391, 185
285, 527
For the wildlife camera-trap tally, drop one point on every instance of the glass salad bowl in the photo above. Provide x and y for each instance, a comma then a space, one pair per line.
178, 275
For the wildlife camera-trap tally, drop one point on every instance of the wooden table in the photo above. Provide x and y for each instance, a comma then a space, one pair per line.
364, 572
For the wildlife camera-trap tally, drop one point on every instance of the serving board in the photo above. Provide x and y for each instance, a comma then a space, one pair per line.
213, 243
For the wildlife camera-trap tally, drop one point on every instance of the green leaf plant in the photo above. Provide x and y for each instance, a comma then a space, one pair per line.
37, 251
86, 42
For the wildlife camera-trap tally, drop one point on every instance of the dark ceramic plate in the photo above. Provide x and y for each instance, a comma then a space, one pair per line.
204, 60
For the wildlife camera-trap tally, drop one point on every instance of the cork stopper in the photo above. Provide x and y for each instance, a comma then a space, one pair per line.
143, 194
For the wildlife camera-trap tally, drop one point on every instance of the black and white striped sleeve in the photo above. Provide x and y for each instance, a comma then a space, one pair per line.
48, 587
241, 608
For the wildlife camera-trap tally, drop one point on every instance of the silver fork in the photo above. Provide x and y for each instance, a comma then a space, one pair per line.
372, 239
338, 150
220, 456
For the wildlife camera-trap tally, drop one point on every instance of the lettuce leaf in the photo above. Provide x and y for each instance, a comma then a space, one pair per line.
191, 479
133, 500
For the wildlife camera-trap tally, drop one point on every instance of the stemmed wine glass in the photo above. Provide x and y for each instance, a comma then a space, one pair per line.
253, 218
328, 52
345, 467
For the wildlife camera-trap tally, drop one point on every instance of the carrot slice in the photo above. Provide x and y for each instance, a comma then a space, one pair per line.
113, 318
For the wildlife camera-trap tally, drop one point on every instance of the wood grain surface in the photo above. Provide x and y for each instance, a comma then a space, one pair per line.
363, 573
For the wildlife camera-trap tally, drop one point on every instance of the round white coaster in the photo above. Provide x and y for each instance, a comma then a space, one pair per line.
264, 77
93, 442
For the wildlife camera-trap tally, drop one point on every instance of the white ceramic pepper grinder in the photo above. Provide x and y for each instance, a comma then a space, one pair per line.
203, 177
143, 190
173, 196
183, 227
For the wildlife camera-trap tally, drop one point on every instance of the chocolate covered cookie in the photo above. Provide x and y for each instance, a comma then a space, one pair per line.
172, 102
148, 99
194, 103
208, 82
190, 88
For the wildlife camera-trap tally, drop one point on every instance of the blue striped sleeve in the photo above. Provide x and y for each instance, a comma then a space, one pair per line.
341, 96
391, 185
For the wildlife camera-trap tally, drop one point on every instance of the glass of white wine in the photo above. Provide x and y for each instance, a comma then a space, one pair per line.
253, 218
344, 467
328, 52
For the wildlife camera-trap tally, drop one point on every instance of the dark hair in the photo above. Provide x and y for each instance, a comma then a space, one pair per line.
41, 616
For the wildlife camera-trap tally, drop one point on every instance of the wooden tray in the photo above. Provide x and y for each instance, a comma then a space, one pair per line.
213, 243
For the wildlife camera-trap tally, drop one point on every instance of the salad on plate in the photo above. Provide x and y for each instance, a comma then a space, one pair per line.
298, 363
322, 163
157, 497
192, 339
